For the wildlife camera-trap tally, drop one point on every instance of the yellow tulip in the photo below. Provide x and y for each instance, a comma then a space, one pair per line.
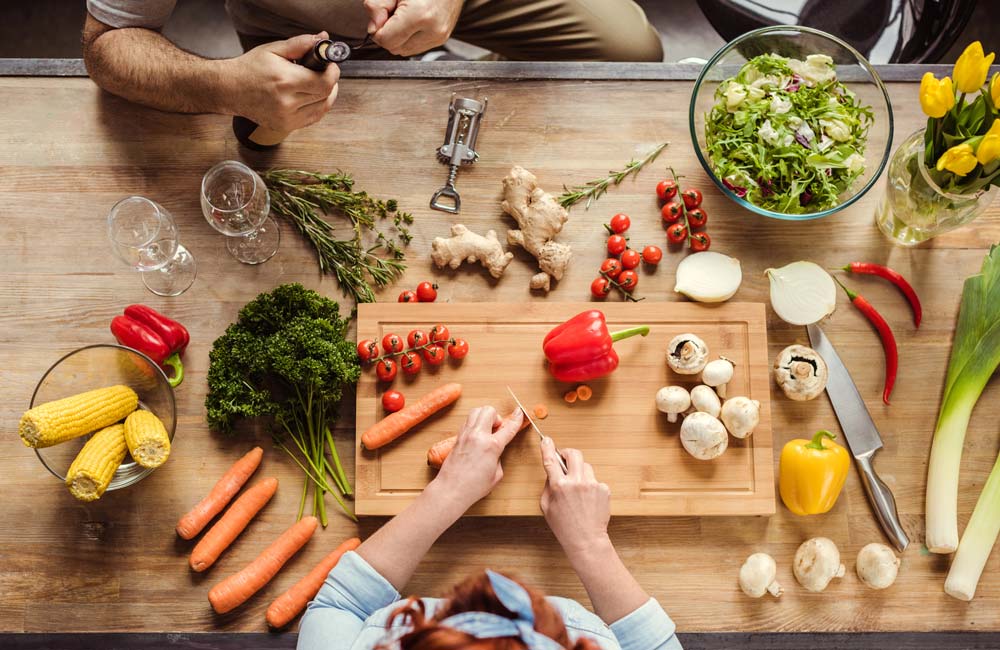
972, 67
936, 95
995, 88
959, 159
989, 147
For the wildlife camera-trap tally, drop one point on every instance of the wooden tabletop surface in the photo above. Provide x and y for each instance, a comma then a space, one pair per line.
69, 152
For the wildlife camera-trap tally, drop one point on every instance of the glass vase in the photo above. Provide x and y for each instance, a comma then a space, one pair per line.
914, 208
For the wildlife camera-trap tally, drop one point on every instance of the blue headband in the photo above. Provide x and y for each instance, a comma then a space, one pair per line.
484, 625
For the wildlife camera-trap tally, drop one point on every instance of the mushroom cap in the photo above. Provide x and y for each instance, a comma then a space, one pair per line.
717, 372
817, 562
877, 565
800, 372
703, 436
687, 354
673, 399
705, 399
757, 574
741, 415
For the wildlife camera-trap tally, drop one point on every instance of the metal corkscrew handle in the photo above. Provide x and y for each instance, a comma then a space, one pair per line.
459, 148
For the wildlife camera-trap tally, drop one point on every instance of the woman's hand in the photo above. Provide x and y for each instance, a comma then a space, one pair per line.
576, 505
473, 468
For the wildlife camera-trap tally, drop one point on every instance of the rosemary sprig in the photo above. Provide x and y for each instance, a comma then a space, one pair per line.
592, 190
300, 197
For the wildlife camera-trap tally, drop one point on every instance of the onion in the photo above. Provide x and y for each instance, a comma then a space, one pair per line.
802, 293
708, 276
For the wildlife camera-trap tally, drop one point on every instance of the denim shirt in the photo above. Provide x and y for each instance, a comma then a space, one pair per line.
352, 608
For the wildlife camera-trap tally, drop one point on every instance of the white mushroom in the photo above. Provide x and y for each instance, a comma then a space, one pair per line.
817, 562
877, 565
717, 374
672, 400
757, 576
800, 372
687, 354
741, 415
705, 400
703, 436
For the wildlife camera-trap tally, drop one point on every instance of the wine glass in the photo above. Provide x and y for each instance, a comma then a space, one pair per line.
234, 200
144, 236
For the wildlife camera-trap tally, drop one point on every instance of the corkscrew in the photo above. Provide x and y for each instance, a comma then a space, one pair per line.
459, 148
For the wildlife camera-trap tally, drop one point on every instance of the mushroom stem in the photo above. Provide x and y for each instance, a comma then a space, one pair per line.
671, 417
802, 369
721, 390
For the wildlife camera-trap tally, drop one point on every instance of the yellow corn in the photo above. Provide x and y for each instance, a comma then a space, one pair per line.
147, 439
71, 417
89, 475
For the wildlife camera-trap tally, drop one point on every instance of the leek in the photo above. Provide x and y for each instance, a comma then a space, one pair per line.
975, 355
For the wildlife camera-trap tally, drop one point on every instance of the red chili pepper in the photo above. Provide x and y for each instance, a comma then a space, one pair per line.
581, 348
885, 333
158, 337
868, 268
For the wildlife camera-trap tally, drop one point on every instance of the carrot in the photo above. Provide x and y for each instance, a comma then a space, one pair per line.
396, 424
221, 535
584, 392
237, 588
541, 411
289, 604
438, 453
570, 396
194, 521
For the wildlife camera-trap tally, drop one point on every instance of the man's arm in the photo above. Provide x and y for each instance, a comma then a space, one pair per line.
264, 85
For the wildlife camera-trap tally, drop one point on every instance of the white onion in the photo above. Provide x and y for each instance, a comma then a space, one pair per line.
802, 293
708, 276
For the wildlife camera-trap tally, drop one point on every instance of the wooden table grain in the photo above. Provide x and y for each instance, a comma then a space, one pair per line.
68, 152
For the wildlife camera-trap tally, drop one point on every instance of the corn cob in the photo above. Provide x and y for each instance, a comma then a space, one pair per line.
147, 439
71, 417
89, 475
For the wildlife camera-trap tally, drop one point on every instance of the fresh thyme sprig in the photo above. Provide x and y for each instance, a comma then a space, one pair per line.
300, 197
592, 190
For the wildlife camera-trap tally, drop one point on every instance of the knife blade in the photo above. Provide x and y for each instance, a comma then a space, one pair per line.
541, 436
862, 435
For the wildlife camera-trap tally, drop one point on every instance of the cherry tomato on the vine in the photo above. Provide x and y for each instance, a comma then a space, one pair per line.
697, 218
434, 355
628, 280
427, 291
600, 287
408, 296
700, 241
652, 255
672, 211
666, 190
611, 267
386, 370
367, 350
440, 333
616, 244
692, 198
392, 343
416, 338
620, 223
677, 233
410, 363
458, 349
392, 401
631, 259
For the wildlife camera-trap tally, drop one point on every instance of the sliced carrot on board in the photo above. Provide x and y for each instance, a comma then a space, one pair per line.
584, 392
570, 396
541, 411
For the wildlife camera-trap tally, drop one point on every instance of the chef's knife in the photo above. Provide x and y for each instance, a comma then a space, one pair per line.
862, 436
541, 436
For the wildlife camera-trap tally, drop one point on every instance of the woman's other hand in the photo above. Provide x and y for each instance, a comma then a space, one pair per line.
473, 468
576, 505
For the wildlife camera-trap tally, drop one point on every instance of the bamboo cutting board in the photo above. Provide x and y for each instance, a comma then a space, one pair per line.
630, 444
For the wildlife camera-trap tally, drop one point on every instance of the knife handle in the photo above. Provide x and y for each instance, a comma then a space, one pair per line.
884, 504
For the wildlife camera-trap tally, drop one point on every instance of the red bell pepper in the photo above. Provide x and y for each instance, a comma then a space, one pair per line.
158, 337
581, 348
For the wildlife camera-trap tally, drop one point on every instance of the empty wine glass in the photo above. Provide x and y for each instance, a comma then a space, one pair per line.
144, 236
234, 200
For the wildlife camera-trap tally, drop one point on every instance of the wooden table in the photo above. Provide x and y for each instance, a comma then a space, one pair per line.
68, 152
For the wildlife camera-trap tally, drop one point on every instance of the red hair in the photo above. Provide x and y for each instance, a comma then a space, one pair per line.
475, 594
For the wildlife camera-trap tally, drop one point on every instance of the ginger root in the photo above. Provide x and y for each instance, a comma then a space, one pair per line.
466, 246
539, 219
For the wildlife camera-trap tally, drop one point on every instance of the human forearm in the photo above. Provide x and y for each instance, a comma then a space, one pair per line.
613, 590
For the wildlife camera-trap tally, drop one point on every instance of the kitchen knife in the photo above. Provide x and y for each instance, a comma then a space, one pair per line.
541, 436
862, 436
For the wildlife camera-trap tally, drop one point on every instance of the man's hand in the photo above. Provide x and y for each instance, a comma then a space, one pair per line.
278, 94
408, 27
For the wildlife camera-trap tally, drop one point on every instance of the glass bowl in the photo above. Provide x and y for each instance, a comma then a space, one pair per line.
97, 366
798, 42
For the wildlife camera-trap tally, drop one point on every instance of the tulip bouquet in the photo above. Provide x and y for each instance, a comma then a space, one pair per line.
962, 139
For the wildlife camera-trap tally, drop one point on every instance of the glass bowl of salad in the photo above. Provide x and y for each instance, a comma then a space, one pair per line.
791, 122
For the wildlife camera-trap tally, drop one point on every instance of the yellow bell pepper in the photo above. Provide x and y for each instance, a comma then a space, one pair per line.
812, 473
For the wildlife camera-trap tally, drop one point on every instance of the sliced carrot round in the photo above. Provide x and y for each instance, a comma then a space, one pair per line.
584, 392
570, 396
541, 411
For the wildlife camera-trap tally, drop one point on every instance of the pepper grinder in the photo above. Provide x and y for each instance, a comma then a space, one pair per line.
459, 148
